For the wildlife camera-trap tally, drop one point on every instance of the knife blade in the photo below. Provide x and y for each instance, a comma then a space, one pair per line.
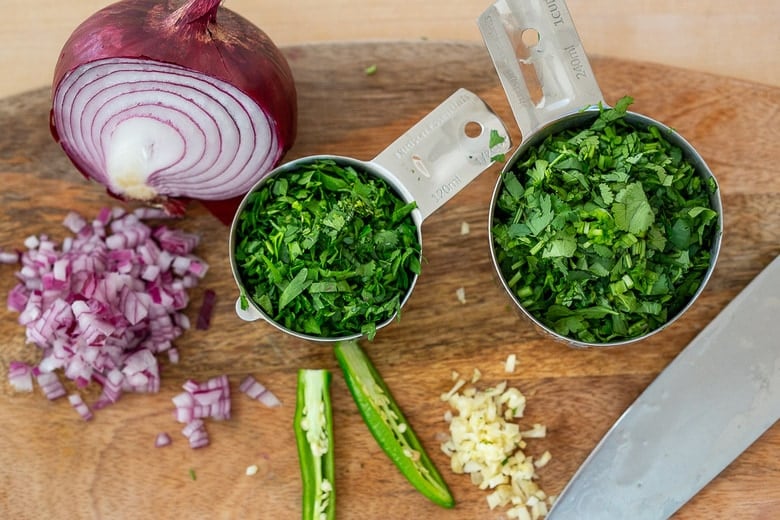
719, 395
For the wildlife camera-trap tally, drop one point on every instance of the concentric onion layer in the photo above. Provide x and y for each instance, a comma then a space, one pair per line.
147, 129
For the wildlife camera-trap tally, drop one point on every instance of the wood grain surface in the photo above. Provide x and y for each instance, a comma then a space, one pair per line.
54, 465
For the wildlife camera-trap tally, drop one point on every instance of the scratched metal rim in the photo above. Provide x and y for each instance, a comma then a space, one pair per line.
370, 169
581, 119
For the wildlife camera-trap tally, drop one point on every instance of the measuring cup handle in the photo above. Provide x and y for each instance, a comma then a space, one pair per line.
445, 150
247, 314
553, 57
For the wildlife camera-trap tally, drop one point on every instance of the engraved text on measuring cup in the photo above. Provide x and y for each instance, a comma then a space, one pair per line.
555, 13
576, 62
430, 128
443, 191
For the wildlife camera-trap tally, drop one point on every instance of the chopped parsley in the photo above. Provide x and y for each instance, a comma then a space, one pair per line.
327, 249
604, 233
495, 140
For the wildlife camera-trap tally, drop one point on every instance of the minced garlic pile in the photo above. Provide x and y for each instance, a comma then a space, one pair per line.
485, 442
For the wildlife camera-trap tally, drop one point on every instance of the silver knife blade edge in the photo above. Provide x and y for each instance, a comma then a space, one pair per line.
706, 407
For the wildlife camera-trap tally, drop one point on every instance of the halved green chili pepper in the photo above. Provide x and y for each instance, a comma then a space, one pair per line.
313, 425
388, 425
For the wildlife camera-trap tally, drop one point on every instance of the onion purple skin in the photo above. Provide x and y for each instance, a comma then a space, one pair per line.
201, 36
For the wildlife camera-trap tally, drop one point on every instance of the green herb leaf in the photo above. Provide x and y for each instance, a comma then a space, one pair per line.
562, 246
495, 138
621, 107
632, 210
386, 239
294, 288
541, 216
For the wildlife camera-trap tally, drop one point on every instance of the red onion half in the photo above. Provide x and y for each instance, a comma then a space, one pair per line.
161, 102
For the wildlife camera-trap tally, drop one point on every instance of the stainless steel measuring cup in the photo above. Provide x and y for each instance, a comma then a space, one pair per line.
550, 86
429, 164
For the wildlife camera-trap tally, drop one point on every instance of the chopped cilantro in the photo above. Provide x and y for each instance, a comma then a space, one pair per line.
243, 302
496, 139
327, 250
604, 233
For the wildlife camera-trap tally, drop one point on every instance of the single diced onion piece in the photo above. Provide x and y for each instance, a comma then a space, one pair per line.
256, 390
20, 376
511, 362
162, 440
80, 406
6, 257
50, 385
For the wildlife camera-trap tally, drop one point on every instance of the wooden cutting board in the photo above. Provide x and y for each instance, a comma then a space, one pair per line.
54, 465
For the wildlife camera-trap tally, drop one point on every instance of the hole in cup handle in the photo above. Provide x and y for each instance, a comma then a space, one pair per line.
248, 314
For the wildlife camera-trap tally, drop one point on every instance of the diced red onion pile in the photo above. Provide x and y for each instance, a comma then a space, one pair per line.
254, 389
103, 303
